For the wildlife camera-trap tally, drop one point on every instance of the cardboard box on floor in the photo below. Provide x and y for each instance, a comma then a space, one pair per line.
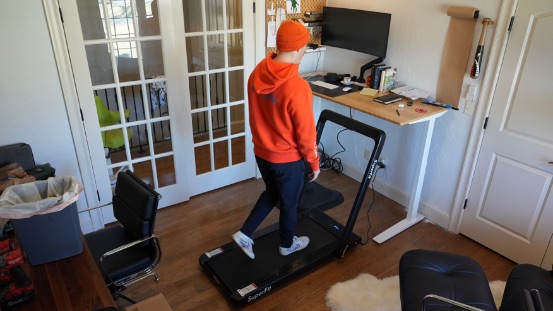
155, 303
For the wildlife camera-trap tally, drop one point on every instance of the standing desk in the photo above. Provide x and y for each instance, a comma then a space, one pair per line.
408, 115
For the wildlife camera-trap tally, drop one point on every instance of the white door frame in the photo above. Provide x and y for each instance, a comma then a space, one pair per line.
69, 91
497, 49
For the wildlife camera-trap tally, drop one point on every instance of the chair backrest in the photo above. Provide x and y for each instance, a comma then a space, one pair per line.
135, 205
106, 116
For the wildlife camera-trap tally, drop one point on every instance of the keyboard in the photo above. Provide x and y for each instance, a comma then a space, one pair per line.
325, 85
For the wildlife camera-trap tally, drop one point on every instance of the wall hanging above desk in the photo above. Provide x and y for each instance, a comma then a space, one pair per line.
456, 54
292, 10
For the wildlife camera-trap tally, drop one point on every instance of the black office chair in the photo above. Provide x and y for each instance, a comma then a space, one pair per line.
128, 251
432, 280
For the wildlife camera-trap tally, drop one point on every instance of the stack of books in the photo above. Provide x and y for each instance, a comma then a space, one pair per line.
382, 77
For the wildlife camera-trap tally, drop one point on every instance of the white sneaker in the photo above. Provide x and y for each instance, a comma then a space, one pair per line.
297, 245
245, 243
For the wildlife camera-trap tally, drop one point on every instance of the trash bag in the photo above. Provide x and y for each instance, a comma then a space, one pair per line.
39, 197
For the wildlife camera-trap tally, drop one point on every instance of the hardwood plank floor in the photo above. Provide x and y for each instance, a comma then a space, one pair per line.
189, 229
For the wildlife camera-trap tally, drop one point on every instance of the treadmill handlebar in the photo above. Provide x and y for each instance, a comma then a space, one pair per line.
379, 137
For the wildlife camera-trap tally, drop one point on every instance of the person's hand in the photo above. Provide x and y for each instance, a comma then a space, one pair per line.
314, 175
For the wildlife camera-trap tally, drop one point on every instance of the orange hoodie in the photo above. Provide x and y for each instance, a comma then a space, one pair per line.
281, 114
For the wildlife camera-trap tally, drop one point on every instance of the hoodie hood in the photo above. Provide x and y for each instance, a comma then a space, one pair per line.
269, 74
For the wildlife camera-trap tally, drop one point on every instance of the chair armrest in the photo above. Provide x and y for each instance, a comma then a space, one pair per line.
122, 247
533, 300
449, 301
128, 245
96, 207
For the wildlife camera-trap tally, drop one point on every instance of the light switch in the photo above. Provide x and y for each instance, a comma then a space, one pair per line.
471, 93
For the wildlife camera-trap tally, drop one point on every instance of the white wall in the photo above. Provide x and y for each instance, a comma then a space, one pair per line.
33, 107
417, 37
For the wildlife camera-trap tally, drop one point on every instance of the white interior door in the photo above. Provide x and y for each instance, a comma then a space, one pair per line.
510, 204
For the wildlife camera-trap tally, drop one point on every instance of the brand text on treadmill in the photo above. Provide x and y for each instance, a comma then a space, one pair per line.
254, 297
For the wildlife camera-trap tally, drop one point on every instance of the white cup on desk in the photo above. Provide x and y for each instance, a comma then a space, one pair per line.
347, 80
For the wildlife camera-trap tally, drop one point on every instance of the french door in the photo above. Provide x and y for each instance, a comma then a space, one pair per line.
161, 87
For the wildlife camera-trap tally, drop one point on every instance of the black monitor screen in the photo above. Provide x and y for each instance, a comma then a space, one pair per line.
356, 30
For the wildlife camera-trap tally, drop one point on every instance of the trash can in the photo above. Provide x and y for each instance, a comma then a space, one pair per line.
44, 217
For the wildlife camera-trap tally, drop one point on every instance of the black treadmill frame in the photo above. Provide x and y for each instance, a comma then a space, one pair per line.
347, 239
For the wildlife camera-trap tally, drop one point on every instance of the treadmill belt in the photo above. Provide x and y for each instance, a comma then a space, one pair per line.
237, 271
315, 195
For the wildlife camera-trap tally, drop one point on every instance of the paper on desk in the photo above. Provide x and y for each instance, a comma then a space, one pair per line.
410, 92
368, 91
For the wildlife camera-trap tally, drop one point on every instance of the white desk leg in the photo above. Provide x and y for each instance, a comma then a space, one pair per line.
412, 216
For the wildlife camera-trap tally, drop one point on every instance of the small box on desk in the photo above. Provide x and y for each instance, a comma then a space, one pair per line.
50, 237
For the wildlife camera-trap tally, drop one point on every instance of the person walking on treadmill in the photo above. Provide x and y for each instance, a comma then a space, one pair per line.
284, 137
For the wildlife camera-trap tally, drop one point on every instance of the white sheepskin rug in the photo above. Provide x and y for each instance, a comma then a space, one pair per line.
367, 293
497, 288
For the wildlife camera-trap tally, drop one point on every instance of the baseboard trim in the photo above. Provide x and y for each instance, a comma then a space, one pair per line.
431, 213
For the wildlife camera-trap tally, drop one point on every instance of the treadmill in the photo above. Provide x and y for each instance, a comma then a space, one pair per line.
243, 280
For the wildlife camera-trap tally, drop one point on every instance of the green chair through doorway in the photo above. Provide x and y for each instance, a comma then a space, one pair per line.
111, 139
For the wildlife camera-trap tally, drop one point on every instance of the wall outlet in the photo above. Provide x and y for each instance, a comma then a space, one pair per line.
383, 159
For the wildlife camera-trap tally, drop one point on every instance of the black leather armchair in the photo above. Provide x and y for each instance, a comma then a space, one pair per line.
129, 251
431, 280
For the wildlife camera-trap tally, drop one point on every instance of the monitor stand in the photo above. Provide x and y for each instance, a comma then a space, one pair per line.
367, 66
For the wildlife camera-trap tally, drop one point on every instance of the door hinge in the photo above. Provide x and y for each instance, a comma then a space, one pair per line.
253, 7
465, 205
511, 23
486, 123
61, 15
82, 116
98, 194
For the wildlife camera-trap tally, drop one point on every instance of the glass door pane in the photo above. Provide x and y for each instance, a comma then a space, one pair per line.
123, 44
213, 87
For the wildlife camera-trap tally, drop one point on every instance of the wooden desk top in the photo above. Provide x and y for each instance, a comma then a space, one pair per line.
365, 103
73, 283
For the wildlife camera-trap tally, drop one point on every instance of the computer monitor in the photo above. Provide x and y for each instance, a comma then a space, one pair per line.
357, 30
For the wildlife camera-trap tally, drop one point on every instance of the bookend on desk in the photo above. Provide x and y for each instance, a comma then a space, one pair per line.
368, 66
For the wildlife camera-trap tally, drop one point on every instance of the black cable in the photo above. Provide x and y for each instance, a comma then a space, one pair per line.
331, 162
370, 206
318, 58
325, 161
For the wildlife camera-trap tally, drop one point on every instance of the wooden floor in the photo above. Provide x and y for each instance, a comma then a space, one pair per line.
207, 221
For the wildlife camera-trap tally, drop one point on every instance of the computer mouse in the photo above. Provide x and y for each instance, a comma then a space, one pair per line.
346, 89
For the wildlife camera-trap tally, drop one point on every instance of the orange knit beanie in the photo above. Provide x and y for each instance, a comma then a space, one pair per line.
291, 36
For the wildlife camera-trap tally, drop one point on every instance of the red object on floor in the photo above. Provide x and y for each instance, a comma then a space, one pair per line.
6, 246
18, 291
12, 259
